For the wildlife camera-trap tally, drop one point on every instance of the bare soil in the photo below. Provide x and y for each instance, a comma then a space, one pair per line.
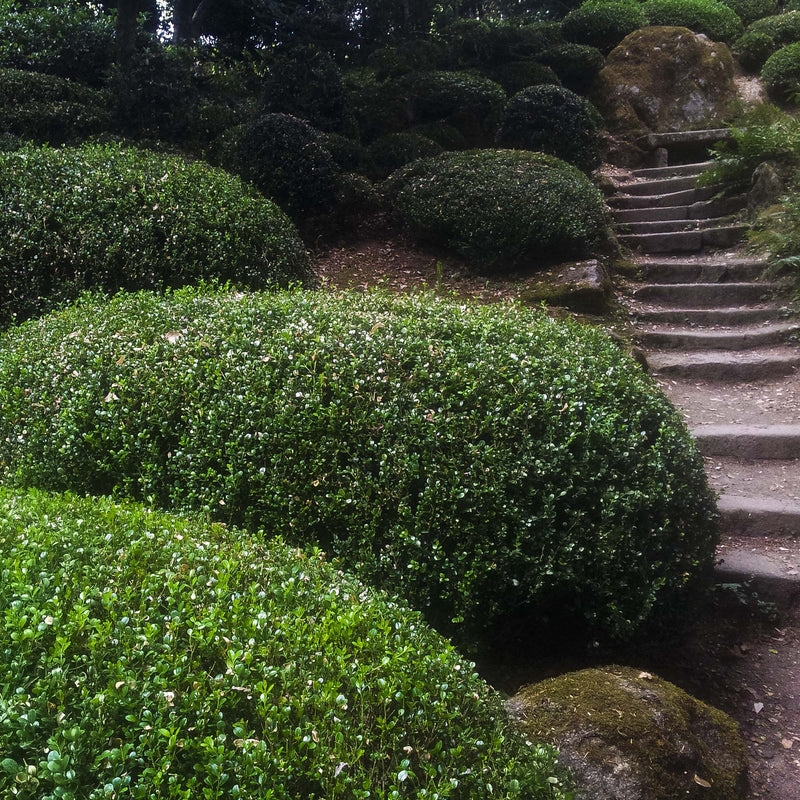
740, 654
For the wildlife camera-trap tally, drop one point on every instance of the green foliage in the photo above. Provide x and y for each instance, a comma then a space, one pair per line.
348, 154
575, 64
514, 76
553, 120
378, 105
106, 217
752, 49
444, 134
65, 39
394, 61
395, 150
480, 461
750, 10
149, 656
306, 83
603, 23
783, 28
763, 133
472, 103
781, 73
501, 208
711, 17
285, 159
46, 108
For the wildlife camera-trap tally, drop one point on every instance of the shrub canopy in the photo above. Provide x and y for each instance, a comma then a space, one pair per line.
553, 120
783, 28
501, 207
482, 462
151, 656
781, 74
109, 217
603, 23
716, 20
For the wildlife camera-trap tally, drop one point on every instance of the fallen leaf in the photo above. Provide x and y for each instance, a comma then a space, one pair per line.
701, 782
757, 707
645, 676
787, 743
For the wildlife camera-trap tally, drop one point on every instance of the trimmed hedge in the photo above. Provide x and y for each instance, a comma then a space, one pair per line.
499, 208
480, 461
603, 23
106, 217
555, 121
752, 49
285, 158
750, 10
575, 64
514, 76
719, 22
149, 656
45, 108
781, 74
395, 150
783, 28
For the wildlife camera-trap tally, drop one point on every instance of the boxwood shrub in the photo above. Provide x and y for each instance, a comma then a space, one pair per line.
553, 120
575, 64
603, 23
45, 108
752, 49
750, 10
481, 462
711, 17
514, 76
781, 74
147, 656
783, 28
109, 217
395, 150
285, 158
500, 208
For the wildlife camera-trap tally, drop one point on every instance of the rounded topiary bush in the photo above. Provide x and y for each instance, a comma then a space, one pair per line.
480, 461
752, 49
554, 120
750, 10
603, 23
783, 28
107, 217
781, 74
711, 17
395, 150
501, 208
147, 655
45, 108
514, 76
285, 158
575, 64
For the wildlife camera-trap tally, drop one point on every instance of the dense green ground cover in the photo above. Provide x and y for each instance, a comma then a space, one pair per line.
149, 656
483, 462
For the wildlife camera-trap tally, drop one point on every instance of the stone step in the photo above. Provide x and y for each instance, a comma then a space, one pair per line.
623, 216
754, 516
682, 138
703, 295
705, 209
725, 367
739, 339
776, 479
673, 225
701, 316
685, 241
682, 198
696, 168
748, 441
692, 271
660, 185
770, 570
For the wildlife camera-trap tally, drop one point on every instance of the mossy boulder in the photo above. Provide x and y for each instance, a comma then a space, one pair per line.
581, 286
629, 735
665, 78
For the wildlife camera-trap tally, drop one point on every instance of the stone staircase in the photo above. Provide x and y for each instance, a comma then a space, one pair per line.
725, 352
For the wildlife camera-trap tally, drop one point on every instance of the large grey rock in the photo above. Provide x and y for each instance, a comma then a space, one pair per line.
766, 186
629, 735
662, 79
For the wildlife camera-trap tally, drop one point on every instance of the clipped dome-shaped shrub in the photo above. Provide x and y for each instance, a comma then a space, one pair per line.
146, 655
553, 120
108, 217
750, 10
500, 208
479, 461
395, 150
348, 154
285, 159
575, 64
603, 23
514, 76
711, 17
66, 39
443, 133
46, 108
783, 28
752, 49
379, 106
781, 74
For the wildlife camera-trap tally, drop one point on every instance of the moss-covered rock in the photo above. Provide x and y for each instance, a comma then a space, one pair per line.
581, 286
665, 78
629, 735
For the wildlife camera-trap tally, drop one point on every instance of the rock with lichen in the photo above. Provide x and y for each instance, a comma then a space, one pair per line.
665, 78
629, 735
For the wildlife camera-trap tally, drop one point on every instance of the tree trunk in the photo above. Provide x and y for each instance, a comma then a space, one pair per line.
126, 30
182, 28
